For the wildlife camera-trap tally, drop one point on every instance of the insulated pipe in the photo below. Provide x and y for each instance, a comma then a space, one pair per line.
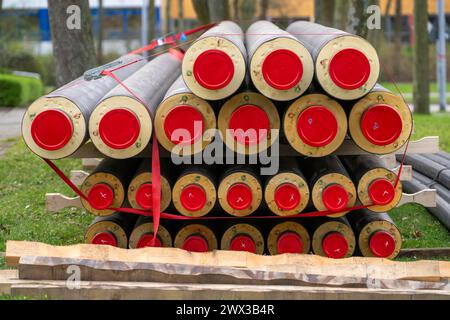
442, 209
196, 238
184, 120
56, 125
281, 68
375, 183
112, 230
376, 234
240, 191
288, 237
194, 192
381, 122
121, 124
139, 192
246, 122
243, 237
332, 237
287, 193
438, 159
143, 232
429, 168
315, 125
214, 66
442, 191
106, 186
330, 184
444, 155
347, 66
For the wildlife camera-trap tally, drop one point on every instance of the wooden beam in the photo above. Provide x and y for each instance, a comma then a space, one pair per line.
53, 268
307, 264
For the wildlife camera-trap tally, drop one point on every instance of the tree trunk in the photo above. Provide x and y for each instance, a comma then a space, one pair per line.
236, 15
341, 14
167, 10
421, 58
264, 9
388, 22
247, 13
219, 10
201, 9
397, 36
100, 33
324, 12
180, 16
151, 20
358, 18
73, 43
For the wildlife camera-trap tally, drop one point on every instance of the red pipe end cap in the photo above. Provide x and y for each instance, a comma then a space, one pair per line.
213, 69
382, 244
317, 126
119, 128
287, 196
51, 129
381, 125
250, 124
290, 242
144, 196
243, 243
335, 245
349, 69
105, 238
101, 196
282, 69
193, 197
381, 192
195, 244
145, 241
187, 120
239, 196
335, 198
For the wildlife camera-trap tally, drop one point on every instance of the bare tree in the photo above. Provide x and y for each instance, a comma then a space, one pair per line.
151, 20
358, 18
387, 17
100, 32
73, 44
180, 16
421, 58
218, 10
397, 35
264, 9
201, 9
341, 14
211, 10
324, 12
167, 9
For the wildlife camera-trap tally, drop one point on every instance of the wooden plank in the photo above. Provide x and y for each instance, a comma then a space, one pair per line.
55, 202
425, 253
407, 173
424, 145
426, 197
53, 268
307, 264
77, 177
163, 291
91, 162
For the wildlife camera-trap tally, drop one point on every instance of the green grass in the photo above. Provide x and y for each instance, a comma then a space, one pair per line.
419, 228
24, 180
407, 90
433, 125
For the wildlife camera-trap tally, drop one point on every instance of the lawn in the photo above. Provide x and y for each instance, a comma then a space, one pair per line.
25, 178
407, 89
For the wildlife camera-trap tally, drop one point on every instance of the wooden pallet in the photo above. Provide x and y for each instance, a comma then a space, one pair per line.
168, 273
